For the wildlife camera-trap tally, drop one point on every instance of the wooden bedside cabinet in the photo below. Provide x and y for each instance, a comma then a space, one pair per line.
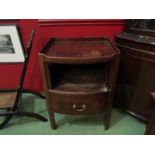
79, 76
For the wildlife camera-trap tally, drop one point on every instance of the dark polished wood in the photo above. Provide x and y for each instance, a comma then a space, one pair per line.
150, 129
79, 76
136, 74
79, 51
143, 32
145, 27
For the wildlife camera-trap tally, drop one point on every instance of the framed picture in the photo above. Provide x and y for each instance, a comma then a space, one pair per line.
11, 50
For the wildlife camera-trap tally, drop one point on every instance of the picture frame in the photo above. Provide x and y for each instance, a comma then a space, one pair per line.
11, 49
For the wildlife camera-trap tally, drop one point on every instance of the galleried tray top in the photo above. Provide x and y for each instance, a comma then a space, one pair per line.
79, 49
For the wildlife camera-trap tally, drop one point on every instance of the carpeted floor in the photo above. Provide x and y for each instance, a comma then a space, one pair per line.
121, 123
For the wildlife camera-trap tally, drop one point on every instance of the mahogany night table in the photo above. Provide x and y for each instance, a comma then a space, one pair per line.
79, 76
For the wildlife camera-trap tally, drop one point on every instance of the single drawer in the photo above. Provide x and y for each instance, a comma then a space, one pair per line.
78, 104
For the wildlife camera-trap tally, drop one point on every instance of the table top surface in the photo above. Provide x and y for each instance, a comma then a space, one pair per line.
79, 48
137, 38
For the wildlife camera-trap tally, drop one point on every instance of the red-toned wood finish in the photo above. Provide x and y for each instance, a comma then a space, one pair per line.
79, 22
79, 76
45, 29
79, 50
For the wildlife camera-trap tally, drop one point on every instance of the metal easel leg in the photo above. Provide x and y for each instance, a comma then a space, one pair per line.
7, 119
31, 114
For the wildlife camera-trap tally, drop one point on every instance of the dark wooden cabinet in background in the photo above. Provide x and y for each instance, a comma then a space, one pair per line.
150, 129
79, 76
137, 71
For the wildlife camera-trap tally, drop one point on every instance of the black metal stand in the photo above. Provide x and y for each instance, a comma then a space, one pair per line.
10, 112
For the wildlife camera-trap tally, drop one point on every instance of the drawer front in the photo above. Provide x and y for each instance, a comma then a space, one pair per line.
78, 104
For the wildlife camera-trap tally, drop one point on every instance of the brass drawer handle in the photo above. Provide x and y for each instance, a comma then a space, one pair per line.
83, 108
106, 90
